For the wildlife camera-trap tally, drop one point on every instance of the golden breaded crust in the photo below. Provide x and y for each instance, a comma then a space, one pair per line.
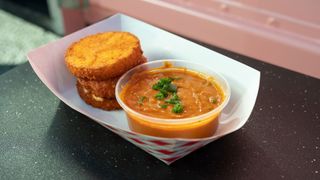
98, 102
104, 55
142, 60
105, 88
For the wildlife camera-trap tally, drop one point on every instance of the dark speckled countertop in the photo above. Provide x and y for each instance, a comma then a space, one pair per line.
42, 138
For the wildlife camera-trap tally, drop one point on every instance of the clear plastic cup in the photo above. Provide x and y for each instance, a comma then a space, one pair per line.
200, 126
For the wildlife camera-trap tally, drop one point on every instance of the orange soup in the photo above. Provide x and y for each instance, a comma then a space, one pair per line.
172, 94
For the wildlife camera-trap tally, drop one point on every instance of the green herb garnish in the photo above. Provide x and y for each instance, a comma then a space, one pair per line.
214, 100
172, 88
159, 96
165, 80
165, 87
163, 106
161, 83
141, 99
171, 101
174, 99
164, 92
175, 96
157, 86
177, 108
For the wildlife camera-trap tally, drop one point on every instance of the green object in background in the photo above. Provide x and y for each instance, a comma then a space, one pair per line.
18, 37
73, 4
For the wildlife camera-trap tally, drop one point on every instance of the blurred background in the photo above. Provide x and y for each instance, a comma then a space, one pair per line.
285, 33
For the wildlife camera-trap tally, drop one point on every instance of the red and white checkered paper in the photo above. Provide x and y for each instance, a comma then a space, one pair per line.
167, 150
48, 63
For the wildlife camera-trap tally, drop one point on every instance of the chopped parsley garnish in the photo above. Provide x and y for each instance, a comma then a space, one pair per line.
164, 92
171, 88
159, 96
165, 87
175, 96
163, 106
177, 108
214, 100
141, 99
157, 86
162, 82
174, 99
165, 80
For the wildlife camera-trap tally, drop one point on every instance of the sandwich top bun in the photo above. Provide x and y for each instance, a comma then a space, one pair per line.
104, 55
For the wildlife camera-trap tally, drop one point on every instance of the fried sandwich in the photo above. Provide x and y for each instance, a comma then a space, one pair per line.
98, 61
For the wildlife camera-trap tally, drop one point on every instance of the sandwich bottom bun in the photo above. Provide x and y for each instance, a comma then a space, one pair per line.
96, 101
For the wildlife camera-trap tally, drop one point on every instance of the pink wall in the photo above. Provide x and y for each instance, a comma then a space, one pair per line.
305, 10
285, 33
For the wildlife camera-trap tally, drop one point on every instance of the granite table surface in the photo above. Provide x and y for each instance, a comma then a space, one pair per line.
42, 138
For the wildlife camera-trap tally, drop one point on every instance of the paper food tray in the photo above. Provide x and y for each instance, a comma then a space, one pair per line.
48, 63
